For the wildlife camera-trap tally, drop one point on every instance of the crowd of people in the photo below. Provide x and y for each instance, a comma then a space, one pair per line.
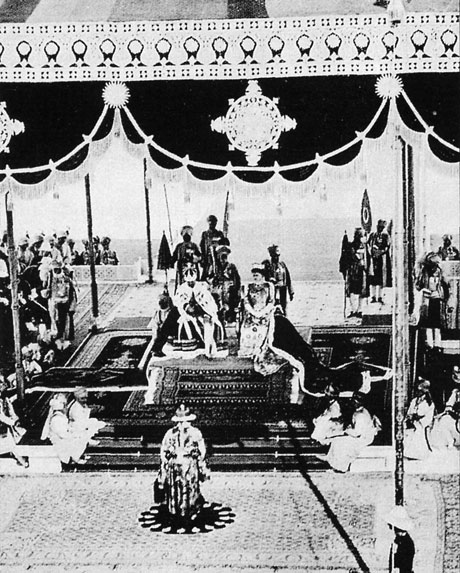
366, 267
365, 263
427, 430
47, 294
210, 259
209, 297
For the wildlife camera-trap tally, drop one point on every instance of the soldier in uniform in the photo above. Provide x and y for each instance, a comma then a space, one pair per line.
277, 273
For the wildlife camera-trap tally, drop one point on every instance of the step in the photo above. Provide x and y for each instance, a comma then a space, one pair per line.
220, 462
42, 460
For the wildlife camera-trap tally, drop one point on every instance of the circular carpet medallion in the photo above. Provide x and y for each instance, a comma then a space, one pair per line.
211, 516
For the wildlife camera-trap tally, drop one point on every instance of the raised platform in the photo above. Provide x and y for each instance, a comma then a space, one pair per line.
246, 419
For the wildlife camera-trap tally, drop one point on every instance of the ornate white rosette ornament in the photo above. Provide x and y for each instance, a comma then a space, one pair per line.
253, 123
8, 128
115, 95
388, 86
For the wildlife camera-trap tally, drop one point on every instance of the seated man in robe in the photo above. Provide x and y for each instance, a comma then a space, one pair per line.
80, 419
193, 323
330, 422
69, 445
360, 429
419, 417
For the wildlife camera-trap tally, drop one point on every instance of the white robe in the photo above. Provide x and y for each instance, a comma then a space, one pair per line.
421, 414
67, 444
346, 448
328, 424
80, 420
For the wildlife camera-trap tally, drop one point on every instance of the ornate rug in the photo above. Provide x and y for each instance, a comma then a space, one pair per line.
111, 349
360, 343
230, 395
76, 521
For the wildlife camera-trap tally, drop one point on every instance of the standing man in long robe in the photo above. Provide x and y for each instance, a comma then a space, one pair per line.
210, 239
379, 271
184, 254
183, 466
277, 273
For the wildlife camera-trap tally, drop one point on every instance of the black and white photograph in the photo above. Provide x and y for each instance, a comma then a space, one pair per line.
229, 286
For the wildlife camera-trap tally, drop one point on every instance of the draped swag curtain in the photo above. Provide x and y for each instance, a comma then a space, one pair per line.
67, 125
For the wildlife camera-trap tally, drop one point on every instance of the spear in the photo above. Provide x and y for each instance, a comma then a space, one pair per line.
164, 257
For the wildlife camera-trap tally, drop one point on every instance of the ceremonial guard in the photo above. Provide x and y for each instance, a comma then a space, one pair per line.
277, 273
434, 292
226, 284
185, 253
108, 256
353, 267
379, 262
447, 251
210, 239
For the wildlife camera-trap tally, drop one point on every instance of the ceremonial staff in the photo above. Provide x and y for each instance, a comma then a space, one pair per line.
14, 280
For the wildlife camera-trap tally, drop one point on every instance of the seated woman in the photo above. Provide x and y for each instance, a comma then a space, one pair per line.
69, 445
419, 417
330, 423
193, 323
271, 339
360, 429
183, 466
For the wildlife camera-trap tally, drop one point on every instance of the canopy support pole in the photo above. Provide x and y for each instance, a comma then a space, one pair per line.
401, 366
14, 284
148, 223
92, 266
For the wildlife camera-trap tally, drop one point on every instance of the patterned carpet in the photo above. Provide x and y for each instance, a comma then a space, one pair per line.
76, 522
112, 349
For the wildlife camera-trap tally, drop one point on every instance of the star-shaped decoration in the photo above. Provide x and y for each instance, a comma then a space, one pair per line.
253, 123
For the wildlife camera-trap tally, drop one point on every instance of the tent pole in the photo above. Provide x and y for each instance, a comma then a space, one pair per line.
148, 228
400, 329
92, 266
14, 283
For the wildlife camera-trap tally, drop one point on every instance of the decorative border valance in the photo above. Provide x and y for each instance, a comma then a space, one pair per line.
229, 49
117, 121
